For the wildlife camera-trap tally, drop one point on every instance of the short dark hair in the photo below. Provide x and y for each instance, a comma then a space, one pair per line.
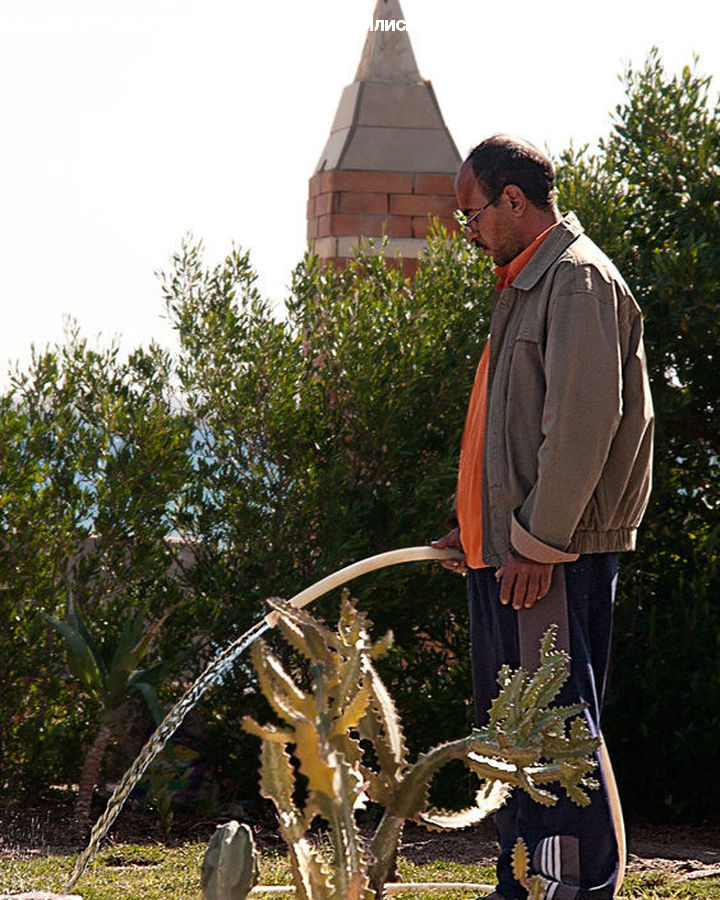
501, 160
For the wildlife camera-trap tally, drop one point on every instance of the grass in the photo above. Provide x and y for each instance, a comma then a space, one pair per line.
155, 872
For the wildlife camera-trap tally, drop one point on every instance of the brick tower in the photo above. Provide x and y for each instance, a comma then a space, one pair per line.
390, 160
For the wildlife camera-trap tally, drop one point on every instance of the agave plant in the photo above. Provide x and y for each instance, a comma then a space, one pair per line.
109, 678
525, 745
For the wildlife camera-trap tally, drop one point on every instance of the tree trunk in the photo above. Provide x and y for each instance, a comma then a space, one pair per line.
88, 778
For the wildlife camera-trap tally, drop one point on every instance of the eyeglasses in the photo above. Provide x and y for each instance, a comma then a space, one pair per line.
463, 217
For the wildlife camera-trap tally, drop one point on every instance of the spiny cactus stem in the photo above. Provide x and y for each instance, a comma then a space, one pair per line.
346, 852
411, 791
321, 700
383, 850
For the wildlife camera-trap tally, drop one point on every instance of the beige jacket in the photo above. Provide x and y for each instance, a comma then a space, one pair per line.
568, 435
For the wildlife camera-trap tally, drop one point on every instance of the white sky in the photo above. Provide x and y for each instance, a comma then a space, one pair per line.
127, 124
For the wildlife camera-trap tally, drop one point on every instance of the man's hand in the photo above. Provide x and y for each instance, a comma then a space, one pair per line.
451, 540
523, 580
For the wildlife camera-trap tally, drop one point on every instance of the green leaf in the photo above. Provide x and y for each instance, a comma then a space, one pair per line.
81, 660
147, 692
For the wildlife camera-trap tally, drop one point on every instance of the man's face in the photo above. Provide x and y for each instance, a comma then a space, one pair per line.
494, 230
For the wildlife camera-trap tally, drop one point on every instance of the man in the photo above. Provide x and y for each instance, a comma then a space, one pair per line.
553, 480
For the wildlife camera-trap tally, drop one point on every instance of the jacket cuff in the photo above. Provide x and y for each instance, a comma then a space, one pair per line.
528, 545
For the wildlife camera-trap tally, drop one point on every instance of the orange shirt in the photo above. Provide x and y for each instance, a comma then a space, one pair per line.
469, 488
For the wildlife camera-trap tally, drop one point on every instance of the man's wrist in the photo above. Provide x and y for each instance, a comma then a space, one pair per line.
526, 559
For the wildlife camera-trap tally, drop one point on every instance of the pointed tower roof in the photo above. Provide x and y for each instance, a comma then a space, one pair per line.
388, 119
388, 55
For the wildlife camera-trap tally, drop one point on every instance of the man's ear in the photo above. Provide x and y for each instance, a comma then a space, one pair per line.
516, 198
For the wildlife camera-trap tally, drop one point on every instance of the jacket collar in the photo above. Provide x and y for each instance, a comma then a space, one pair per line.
567, 230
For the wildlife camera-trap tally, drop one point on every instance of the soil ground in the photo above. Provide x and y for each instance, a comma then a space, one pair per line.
681, 852
29, 829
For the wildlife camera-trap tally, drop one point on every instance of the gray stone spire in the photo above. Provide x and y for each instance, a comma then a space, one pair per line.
388, 55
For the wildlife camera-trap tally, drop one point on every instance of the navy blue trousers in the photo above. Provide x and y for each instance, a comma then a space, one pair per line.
574, 845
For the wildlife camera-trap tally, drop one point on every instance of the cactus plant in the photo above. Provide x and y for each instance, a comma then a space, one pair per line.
230, 866
525, 745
